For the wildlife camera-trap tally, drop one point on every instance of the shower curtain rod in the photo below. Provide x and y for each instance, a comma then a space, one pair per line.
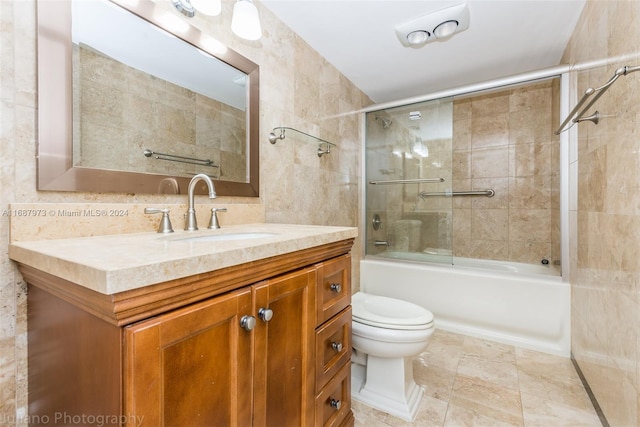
476, 87
503, 81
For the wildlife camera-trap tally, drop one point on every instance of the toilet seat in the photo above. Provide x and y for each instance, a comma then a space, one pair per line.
389, 313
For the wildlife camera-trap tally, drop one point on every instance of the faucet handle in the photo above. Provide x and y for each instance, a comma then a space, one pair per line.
214, 223
165, 222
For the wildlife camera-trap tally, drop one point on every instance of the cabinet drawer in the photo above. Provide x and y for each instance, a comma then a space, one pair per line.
333, 403
333, 347
334, 287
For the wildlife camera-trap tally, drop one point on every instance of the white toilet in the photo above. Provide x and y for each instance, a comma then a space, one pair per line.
387, 332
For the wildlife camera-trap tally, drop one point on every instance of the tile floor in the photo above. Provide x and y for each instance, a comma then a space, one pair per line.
473, 382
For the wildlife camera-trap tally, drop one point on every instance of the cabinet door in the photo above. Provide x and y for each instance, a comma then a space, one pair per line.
191, 367
284, 368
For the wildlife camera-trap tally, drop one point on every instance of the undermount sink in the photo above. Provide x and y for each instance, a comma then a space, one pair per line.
223, 237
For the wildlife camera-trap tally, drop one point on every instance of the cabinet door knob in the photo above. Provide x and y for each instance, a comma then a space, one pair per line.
335, 404
265, 314
337, 346
248, 322
336, 287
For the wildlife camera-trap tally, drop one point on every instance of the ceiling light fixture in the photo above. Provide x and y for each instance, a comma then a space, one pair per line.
245, 22
439, 25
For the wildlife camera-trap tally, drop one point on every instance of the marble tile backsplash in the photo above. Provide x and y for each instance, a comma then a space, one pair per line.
40, 221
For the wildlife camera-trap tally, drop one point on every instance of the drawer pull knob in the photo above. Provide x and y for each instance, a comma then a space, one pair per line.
336, 287
265, 314
248, 322
337, 346
335, 404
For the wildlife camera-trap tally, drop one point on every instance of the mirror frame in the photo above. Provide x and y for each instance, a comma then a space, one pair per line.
56, 171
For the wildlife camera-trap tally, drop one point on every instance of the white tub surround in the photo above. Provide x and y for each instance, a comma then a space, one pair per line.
124, 262
505, 304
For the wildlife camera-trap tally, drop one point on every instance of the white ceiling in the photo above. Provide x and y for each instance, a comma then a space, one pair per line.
505, 37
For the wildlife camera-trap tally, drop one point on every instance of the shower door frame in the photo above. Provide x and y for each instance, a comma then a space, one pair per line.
568, 143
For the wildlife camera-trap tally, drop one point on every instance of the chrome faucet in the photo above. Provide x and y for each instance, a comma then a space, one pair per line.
191, 223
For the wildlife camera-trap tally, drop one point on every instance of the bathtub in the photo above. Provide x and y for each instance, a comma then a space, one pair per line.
519, 304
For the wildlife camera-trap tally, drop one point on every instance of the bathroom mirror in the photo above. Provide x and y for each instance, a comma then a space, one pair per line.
141, 110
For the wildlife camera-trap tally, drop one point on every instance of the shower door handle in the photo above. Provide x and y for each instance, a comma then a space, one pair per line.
381, 243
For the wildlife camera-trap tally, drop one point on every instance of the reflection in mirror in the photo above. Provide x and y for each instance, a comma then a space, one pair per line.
146, 105
149, 100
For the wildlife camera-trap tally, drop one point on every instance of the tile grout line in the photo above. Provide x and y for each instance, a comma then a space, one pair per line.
592, 397
515, 354
455, 378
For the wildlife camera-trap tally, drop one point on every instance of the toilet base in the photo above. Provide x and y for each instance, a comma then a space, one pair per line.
387, 384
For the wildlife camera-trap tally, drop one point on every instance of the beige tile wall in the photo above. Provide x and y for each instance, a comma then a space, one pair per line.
299, 88
605, 221
504, 141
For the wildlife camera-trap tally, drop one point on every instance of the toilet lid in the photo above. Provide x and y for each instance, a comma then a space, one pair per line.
389, 313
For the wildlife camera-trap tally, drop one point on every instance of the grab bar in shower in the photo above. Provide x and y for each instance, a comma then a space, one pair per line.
487, 193
576, 117
407, 181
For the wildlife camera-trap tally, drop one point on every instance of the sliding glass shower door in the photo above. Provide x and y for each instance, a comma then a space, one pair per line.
408, 181
476, 177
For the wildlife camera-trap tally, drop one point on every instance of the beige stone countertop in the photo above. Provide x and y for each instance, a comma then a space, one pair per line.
115, 263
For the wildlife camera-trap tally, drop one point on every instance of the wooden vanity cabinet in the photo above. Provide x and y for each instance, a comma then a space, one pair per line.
255, 355
198, 366
191, 367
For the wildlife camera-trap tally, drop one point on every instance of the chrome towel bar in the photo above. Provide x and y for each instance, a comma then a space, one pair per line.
576, 117
181, 159
407, 181
487, 193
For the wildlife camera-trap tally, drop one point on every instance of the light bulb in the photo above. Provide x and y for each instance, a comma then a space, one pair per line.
446, 29
417, 38
245, 22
